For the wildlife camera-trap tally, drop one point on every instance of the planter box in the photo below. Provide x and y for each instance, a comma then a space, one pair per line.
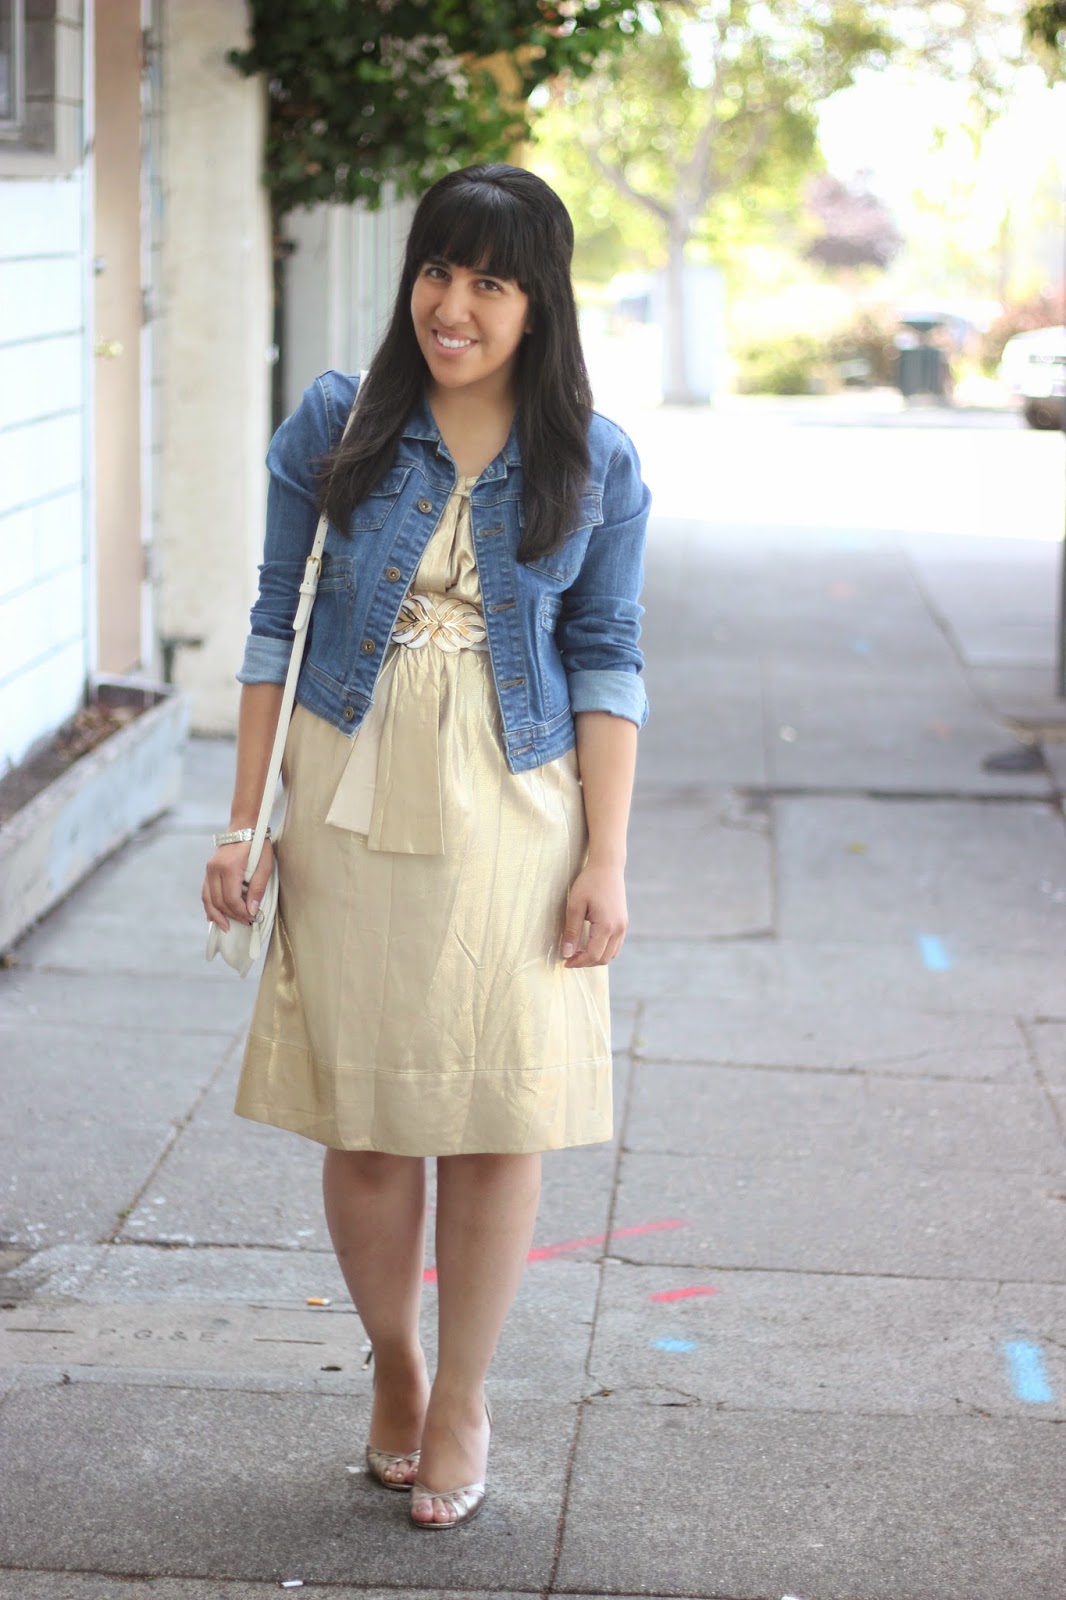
92, 808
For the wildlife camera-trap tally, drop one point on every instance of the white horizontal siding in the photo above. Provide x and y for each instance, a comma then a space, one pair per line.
38, 621
39, 299
42, 697
41, 218
40, 540
58, 534
41, 379
17, 567
43, 513
40, 460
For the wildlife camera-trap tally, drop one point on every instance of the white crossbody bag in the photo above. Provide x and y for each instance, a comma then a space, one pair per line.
242, 943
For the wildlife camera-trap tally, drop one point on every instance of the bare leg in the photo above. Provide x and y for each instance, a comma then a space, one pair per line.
376, 1214
486, 1210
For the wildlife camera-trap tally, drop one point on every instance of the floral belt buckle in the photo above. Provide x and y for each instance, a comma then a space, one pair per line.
449, 624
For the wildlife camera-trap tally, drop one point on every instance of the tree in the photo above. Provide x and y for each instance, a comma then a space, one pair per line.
855, 229
720, 99
368, 92
1046, 25
716, 99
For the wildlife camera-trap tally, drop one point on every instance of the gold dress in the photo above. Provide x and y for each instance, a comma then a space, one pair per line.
413, 998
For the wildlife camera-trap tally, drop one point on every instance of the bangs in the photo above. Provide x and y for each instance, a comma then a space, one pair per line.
481, 227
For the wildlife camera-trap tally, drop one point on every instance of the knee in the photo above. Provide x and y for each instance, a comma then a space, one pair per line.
368, 1169
491, 1171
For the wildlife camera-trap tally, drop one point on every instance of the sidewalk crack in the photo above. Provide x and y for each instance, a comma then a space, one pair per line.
177, 1128
568, 1475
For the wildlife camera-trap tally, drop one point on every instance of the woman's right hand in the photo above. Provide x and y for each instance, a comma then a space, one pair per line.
223, 891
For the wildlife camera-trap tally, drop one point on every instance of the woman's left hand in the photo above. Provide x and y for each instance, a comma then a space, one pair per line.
598, 897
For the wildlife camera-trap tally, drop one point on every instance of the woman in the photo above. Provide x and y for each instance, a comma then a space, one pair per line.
458, 777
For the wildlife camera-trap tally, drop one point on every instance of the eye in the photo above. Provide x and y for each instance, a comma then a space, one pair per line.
432, 269
490, 283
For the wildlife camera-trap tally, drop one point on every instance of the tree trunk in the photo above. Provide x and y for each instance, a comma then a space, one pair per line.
677, 390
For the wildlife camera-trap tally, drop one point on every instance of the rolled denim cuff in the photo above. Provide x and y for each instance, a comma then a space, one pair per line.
265, 660
601, 689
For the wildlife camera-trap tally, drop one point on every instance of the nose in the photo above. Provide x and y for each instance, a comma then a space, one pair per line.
453, 304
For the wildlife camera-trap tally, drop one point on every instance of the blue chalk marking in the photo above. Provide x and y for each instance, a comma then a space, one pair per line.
1025, 1362
682, 1346
933, 952
861, 647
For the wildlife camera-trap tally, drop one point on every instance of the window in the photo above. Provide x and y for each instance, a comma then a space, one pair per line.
12, 65
41, 96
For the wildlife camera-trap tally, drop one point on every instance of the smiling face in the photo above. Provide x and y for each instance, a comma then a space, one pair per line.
469, 327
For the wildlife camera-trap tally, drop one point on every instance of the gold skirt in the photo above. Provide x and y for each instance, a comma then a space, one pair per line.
417, 1003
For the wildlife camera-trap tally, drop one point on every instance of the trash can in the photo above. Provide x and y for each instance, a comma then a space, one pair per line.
923, 363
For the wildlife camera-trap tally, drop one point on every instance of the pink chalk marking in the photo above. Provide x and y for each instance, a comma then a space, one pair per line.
683, 1294
550, 1251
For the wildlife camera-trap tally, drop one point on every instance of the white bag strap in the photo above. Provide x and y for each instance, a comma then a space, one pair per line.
308, 589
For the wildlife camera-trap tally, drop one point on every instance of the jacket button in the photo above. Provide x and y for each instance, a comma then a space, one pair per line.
349, 713
368, 647
425, 505
392, 573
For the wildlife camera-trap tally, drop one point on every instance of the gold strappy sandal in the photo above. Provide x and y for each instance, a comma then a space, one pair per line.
378, 1461
465, 1502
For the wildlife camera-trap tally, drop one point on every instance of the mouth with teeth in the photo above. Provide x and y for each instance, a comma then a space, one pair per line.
451, 344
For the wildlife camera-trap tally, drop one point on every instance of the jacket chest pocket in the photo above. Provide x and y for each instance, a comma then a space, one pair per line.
372, 512
564, 563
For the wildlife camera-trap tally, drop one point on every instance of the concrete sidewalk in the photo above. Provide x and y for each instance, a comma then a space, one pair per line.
798, 1331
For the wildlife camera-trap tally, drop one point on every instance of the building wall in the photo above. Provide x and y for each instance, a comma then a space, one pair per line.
212, 354
44, 379
153, 377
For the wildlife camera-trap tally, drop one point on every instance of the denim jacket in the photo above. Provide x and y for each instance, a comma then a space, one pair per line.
562, 630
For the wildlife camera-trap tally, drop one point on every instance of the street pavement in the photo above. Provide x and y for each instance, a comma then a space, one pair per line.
800, 1330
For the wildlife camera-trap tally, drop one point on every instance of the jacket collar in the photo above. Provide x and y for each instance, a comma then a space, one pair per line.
420, 425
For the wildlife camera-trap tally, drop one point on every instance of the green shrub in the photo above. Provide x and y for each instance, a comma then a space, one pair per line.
794, 365
870, 339
863, 351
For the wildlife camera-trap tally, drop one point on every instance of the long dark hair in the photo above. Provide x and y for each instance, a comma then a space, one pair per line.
509, 223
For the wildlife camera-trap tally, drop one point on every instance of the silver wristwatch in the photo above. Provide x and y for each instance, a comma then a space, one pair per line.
236, 836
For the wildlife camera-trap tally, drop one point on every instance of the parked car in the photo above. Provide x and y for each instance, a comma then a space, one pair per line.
1033, 369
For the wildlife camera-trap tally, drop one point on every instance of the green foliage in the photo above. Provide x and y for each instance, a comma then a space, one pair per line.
1046, 27
979, 43
1047, 22
368, 92
705, 127
870, 341
784, 366
797, 363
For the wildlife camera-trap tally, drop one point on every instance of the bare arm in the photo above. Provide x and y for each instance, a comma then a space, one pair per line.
223, 891
607, 758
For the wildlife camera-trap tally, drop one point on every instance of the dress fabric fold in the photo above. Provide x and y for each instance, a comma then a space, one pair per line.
413, 999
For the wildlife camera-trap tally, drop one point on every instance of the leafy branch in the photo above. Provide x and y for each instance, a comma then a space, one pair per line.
364, 93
